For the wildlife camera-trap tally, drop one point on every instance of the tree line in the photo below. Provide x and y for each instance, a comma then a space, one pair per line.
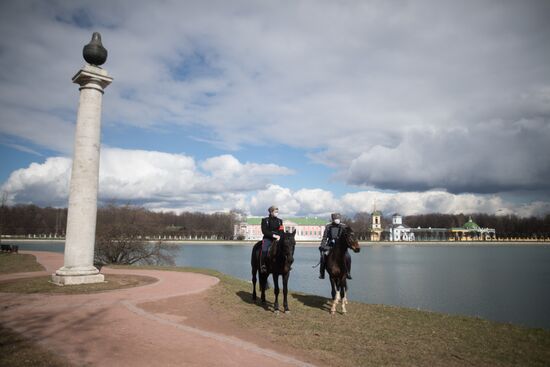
24, 220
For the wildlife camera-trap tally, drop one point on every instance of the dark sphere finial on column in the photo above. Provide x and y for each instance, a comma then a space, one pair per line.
94, 53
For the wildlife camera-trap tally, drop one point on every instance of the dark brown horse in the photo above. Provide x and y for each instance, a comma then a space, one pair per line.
337, 269
279, 261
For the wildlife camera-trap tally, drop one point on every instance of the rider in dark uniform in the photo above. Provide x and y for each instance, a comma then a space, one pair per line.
332, 233
272, 228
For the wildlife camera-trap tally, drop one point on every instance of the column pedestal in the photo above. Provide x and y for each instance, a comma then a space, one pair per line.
75, 275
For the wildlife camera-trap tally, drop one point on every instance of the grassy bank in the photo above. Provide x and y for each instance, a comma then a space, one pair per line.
370, 335
17, 351
377, 335
44, 285
18, 263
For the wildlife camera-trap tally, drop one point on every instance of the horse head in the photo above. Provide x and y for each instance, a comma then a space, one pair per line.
288, 243
350, 239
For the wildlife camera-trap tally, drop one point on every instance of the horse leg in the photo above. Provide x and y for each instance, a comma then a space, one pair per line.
254, 284
346, 294
335, 296
255, 261
285, 292
335, 303
276, 291
343, 292
263, 284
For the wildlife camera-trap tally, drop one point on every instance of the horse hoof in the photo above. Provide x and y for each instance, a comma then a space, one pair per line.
276, 312
287, 312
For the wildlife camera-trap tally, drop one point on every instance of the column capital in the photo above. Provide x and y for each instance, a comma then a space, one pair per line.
94, 77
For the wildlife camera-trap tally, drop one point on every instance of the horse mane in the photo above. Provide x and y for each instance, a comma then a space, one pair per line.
279, 254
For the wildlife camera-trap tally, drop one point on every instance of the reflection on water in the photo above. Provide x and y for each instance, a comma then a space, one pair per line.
503, 283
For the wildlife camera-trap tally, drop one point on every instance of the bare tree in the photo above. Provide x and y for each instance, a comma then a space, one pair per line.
120, 239
3, 201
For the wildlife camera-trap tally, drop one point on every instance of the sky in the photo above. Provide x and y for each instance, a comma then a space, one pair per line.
313, 106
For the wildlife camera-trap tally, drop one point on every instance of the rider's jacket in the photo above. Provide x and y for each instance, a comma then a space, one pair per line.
331, 234
272, 225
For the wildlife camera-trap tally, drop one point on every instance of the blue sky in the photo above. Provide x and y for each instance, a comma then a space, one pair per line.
315, 106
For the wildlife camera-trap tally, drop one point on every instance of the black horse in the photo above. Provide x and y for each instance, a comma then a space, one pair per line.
279, 261
336, 267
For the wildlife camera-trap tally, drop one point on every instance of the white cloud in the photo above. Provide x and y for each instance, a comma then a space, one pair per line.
162, 181
408, 203
317, 202
227, 173
281, 197
154, 179
42, 184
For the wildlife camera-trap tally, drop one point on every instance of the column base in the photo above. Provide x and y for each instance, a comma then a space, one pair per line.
73, 276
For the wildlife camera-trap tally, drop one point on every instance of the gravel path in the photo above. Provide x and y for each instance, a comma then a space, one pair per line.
110, 328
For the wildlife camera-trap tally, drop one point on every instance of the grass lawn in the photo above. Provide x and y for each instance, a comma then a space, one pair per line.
43, 285
378, 335
17, 351
369, 335
18, 263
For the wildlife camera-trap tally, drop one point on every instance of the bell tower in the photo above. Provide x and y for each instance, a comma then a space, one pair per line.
376, 225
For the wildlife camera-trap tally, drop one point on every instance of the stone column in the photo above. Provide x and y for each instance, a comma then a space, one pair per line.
81, 219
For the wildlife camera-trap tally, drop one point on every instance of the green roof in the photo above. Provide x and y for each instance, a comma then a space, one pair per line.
303, 221
470, 224
377, 212
253, 220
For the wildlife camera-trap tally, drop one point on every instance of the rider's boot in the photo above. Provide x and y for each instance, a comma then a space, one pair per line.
322, 268
263, 268
348, 276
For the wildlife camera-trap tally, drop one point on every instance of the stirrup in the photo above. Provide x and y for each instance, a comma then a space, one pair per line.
263, 269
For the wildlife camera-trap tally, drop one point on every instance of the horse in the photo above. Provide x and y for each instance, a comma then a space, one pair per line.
278, 262
336, 267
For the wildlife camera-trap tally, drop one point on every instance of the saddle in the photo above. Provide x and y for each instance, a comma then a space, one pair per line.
272, 252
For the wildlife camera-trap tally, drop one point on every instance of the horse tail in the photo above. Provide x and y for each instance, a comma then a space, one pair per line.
254, 260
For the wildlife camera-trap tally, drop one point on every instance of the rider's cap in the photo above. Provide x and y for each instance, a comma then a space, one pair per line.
272, 208
334, 216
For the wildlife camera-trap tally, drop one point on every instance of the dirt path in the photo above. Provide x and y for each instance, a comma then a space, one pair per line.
113, 329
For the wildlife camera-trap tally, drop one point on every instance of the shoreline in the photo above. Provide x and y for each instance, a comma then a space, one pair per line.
316, 244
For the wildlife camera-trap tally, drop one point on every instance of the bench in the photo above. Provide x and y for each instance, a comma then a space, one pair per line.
9, 248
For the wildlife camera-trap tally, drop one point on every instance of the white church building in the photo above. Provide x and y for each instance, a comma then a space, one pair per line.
398, 231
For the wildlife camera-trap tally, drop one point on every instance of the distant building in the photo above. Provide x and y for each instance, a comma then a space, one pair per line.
398, 231
376, 226
471, 231
431, 234
307, 228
